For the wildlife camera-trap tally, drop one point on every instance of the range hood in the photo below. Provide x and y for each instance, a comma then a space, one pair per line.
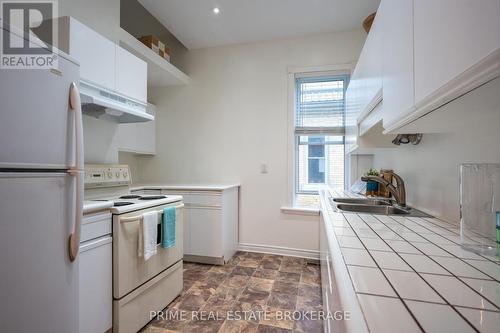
108, 105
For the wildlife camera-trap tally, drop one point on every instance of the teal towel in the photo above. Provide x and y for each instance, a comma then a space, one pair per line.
168, 228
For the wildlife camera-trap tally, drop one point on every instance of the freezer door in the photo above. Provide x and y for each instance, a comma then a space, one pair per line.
36, 124
39, 284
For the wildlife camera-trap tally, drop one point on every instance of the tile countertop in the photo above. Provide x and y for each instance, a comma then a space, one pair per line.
186, 187
95, 206
409, 274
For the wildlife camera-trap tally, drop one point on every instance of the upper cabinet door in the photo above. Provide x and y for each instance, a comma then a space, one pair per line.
352, 110
450, 37
131, 75
397, 63
365, 84
370, 67
95, 53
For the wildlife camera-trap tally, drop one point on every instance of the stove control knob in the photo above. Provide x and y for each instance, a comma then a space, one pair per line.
117, 174
125, 174
110, 174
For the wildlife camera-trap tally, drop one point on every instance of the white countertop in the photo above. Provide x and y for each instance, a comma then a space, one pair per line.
95, 206
184, 187
409, 274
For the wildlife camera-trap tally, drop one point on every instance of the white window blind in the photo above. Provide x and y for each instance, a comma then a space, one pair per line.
320, 104
319, 134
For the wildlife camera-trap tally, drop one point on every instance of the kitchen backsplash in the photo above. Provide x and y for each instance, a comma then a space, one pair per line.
432, 182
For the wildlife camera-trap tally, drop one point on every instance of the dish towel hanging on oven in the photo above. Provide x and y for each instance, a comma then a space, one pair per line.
168, 228
147, 235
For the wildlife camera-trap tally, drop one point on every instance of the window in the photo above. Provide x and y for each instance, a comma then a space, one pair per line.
316, 160
319, 135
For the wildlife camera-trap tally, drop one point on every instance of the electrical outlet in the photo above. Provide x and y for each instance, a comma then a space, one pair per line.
263, 168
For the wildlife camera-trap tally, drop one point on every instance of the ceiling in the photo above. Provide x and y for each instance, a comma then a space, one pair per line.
194, 23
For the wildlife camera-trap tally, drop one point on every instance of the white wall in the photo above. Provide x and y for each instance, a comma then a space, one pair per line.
232, 118
100, 140
470, 133
137, 21
132, 161
102, 16
357, 166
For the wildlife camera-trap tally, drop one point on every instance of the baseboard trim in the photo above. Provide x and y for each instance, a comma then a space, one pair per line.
204, 260
279, 250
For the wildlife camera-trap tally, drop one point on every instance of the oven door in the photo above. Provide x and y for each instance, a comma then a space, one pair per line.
129, 270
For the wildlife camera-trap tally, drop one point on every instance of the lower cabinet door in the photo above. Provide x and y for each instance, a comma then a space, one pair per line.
187, 230
206, 231
95, 285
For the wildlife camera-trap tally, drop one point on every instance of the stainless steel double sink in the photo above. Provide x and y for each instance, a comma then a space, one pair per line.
374, 206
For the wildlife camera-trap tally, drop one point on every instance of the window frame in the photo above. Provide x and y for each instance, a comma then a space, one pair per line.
292, 151
296, 163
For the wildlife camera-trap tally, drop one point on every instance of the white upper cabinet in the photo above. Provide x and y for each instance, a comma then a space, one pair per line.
365, 85
397, 68
131, 75
95, 53
102, 63
369, 70
139, 138
435, 51
451, 36
146, 134
352, 110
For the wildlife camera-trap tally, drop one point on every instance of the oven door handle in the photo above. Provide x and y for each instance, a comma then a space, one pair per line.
139, 217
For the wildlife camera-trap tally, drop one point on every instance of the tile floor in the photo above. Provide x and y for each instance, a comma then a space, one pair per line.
250, 281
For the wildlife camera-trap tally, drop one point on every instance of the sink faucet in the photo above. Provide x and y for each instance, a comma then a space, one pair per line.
398, 191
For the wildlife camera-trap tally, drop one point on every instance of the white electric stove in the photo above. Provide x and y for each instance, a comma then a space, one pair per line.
139, 286
111, 183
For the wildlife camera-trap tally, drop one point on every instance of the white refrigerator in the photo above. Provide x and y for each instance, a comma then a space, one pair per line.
41, 198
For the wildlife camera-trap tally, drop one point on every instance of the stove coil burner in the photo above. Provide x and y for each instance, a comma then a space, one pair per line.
122, 203
153, 197
130, 196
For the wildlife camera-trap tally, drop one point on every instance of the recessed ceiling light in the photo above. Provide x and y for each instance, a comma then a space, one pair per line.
216, 10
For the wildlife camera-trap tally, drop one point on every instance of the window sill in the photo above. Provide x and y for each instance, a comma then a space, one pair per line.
300, 211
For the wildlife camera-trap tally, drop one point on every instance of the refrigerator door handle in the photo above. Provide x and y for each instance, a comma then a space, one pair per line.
77, 171
76, 106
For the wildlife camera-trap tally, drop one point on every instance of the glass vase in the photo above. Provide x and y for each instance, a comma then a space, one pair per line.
479, 205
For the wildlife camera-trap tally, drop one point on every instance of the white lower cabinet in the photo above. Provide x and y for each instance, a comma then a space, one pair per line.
205, 228
326, 276
338, 293
210, 224
96, 274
